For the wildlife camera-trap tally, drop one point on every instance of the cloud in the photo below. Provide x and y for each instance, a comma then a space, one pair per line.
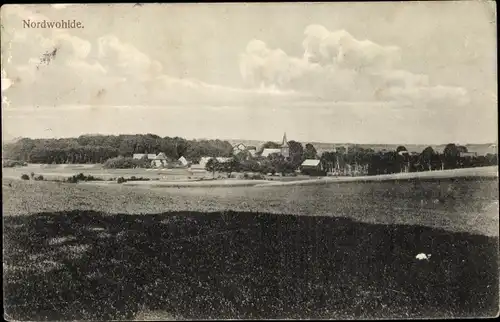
107, 71
335, 66
341, 48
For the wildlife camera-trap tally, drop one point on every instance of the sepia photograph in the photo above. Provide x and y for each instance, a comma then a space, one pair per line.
243, 161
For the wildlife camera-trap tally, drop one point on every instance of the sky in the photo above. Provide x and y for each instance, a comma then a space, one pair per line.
393, 73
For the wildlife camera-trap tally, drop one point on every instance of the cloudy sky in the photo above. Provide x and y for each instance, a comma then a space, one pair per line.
339, 72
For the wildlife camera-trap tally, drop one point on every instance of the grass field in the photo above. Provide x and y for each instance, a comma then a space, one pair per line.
80, 252
63, 171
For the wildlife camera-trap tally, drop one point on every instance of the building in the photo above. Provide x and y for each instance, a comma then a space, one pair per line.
139, 156
160, 160
268, 152
285, 148
252, 150
468, 154
311, 167
204, 160
239, 148
183, 161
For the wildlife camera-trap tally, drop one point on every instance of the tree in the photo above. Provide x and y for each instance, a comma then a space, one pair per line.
279, 164
402, 158
328, 161
451, 155
401, 148
212, 166
428, 157
296, 153
243, 155
230, 166
310, 152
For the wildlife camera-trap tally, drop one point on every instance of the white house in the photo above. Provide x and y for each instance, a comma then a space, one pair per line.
268, 152
311, 163
159, 160
183, 161
239, 148
139, 156
223, 160
204, 160
468, 154
310, 166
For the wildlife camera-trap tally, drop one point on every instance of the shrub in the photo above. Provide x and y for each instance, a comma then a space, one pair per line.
245, 175
82, 177
13, 163
134, 178
126, 163
121, 180
25, 177
39, 178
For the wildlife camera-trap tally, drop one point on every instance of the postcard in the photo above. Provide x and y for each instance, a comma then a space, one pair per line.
209, 161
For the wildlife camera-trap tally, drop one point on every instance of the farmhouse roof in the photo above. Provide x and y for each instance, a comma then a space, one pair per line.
151, 156
239, 146
161, 156
468, 154
222, 160
310, 163
267, 152
204, 160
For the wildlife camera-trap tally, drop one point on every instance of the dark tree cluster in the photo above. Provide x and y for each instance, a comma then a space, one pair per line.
99, 148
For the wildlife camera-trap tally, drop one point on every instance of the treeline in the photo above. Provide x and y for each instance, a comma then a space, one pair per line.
99, 148
370, 162
355, 161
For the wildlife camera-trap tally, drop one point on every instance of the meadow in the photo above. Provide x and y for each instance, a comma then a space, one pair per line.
58, 171
341, 250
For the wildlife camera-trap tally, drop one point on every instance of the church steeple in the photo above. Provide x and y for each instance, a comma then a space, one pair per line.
285, 142
285, 149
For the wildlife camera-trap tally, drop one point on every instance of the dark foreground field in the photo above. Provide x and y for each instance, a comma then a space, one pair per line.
90, 265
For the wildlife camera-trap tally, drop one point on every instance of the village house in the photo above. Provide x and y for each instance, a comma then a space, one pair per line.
204, 160
239, 148
283, 150
160, 160
252, 150
183, 161
468, 154
138, 156
311, 167
268, 152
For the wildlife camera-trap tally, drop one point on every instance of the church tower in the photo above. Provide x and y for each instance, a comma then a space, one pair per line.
285, 149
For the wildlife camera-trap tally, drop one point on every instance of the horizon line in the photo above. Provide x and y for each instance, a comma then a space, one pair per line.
263, 141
